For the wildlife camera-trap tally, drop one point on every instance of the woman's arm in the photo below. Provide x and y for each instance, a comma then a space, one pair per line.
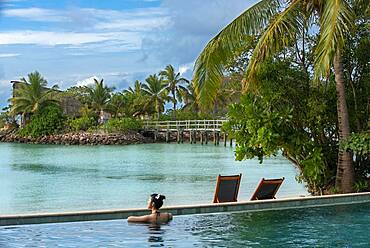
145, 218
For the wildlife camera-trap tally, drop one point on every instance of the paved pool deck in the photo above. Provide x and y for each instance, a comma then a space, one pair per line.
242, 206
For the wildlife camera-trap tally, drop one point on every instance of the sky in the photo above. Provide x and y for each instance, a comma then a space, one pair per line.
71, 42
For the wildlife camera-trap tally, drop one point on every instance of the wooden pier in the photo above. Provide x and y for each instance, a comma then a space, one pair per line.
203, 131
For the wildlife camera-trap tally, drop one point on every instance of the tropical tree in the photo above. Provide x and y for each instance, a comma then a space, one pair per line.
155, 89
190, 99
117, 104
173, 81
31, 95
137, 100
137, 90
98, 96
279, 24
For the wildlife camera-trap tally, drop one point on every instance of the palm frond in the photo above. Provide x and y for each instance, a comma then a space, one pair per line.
281, 31
209, 65
336, 20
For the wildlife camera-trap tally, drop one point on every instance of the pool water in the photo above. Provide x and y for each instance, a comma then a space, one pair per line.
335, 226
53, 178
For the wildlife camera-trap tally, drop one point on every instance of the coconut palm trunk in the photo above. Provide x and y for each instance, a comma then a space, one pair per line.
157, 107
345, 170
174, 104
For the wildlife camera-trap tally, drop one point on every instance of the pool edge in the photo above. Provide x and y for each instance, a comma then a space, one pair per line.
245, 206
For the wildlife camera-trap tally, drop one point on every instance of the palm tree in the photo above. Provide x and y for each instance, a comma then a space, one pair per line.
155, 89
137, 90
173, 81
190, 99
136, 100
116, 105
98, 96
279, 24
31, 95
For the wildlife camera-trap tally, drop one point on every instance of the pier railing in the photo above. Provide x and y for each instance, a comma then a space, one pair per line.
187, 125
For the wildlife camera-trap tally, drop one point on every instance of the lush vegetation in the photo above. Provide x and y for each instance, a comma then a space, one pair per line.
122, 125
31, 96
99, 107
295, 83
82, 123
47, 120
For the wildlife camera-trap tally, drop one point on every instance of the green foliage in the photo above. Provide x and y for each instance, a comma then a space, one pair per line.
174, 85
361, 186
32, 95
314, 170
122, 125
117, 105
46, 121
290, 115
278, 26
98, 95
155, 89
81, 93
82, 123
358, 143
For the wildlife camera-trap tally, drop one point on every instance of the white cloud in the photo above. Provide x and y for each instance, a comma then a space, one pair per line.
9, 55
35, 14
146, 24
87, 81
87, 29
101, 19
185, 68
193, 24
66, 38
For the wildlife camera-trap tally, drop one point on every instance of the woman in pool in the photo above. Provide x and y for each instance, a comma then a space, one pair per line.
155, 202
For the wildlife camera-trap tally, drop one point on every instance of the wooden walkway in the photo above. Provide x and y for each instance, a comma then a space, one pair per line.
193, 130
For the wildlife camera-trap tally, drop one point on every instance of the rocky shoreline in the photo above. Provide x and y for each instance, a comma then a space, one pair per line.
79, 138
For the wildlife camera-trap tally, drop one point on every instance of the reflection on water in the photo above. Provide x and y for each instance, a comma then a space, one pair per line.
50, 169
156, 233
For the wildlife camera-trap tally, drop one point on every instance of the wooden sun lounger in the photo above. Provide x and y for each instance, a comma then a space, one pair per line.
227, 188
267, 189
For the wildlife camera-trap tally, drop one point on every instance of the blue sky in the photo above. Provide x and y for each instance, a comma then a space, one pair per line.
69, 42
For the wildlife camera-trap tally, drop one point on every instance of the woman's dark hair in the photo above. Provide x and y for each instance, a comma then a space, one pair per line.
157, 199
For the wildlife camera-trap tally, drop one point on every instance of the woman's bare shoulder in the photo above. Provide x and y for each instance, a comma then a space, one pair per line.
144, 218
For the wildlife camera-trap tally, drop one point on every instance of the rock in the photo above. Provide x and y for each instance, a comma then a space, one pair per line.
82, 138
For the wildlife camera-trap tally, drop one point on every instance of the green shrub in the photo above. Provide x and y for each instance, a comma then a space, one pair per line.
361, 186
83, 123
48, 120
358, 143
122, 124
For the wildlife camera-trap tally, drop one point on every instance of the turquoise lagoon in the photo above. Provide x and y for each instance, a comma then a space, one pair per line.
52, 178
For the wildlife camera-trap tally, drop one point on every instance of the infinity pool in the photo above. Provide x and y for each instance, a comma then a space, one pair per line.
51, 178
336, 226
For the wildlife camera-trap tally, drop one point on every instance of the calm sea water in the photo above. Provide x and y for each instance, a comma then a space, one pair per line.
51, 178
337, 226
